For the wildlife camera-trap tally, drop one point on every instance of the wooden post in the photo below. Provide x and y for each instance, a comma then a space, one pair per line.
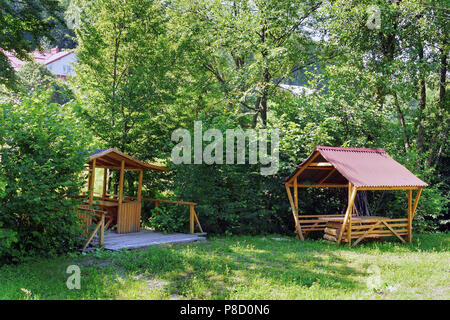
409, 215
416, 202
196, 219
92, 183
349, 231
191, 218
119, 207
105, 181
89, 181
349, 192
139, 192
139, 196
122, 172
296, 194
347, 213
298, 227
102, 229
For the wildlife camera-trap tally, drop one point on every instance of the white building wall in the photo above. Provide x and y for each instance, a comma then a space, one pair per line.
63, 66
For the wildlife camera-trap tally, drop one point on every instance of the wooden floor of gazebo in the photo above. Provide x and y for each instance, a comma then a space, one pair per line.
145, 238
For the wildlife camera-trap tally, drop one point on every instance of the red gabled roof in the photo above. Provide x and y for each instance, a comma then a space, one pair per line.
360, 166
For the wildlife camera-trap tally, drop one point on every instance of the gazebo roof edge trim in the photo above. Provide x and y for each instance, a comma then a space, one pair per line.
136, 164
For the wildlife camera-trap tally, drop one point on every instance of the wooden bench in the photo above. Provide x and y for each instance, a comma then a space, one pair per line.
315, 222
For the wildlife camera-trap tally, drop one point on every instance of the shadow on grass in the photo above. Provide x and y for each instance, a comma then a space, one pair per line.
221, 268
216, 269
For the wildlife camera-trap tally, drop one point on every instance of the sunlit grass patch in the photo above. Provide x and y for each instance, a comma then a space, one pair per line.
244, 267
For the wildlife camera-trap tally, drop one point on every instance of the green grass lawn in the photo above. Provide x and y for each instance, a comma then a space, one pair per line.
259, 267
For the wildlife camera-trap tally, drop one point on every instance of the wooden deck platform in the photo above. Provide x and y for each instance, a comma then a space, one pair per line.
144, 238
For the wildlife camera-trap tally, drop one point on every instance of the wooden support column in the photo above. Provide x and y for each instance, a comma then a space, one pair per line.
196, 219
88, 187
298, 227
105, 181
139, 192
102, 229
122, 172
416, 202
410, 215
191, 218
349, 231
139, 197
92, 182
296, 194
347, 213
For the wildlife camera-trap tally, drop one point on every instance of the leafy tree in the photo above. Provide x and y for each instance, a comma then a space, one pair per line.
23, 24
123, 74
43, 150
394, 65
238, 52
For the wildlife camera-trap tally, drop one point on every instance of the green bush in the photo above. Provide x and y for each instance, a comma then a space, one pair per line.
166, 220
234, 198
43, 150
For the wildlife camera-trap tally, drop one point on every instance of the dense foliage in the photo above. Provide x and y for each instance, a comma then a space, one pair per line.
371, 74
35, 77
24, 24
42, 155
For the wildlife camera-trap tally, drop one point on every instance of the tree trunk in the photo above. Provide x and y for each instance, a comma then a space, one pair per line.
264, 96
402, 123
423, 101
261, 101
443, 75
443, 97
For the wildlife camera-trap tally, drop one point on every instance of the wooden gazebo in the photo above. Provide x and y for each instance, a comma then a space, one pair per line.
117, 209
356, 169
125, 213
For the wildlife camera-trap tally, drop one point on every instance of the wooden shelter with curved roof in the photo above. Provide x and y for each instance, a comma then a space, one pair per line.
125, 213
356, 169
119, 210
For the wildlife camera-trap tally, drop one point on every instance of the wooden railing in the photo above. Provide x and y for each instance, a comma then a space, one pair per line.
87, 214
193, 218
367, 227
376, 228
